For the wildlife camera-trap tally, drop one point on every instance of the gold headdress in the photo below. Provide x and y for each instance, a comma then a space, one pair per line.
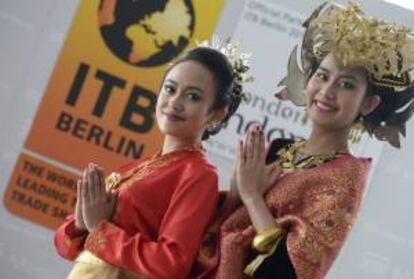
384, 49
239, 61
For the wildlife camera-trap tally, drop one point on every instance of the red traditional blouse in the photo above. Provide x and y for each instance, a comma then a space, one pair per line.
164, 205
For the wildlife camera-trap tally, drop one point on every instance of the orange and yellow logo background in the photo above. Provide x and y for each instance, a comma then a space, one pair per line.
84, 44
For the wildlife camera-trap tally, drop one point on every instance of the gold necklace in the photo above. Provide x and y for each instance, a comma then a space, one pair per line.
289, 157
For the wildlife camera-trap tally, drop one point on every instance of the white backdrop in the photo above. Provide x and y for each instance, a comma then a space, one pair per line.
32, 32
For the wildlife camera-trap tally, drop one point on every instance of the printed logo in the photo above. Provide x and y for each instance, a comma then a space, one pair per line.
146, 33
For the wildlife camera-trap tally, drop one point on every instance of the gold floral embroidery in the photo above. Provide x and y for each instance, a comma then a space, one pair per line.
96, 240
148, 167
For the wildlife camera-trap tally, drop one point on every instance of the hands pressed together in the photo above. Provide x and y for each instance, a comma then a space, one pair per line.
252, 177
94, 204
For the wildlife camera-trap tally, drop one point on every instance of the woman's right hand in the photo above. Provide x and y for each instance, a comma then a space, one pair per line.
254, 178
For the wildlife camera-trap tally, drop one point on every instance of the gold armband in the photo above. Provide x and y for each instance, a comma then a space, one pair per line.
264, 239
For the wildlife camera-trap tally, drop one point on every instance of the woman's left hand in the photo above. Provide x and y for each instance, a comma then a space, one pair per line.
253, 177
98, 205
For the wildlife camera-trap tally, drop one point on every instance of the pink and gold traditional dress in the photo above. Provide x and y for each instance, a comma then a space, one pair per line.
316, 207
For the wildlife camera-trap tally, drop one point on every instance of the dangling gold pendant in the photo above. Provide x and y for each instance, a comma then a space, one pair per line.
356, 132
112, 181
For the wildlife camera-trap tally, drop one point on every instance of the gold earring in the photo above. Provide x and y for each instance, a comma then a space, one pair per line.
357, 129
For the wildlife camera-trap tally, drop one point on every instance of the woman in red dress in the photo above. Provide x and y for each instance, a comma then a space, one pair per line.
149, 221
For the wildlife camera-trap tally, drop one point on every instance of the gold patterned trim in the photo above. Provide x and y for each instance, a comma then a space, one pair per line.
158, 161
97, 239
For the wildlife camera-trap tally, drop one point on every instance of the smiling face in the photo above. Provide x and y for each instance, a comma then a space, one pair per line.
335, 96
185, 101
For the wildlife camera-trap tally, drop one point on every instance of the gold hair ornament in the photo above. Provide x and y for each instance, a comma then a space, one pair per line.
240, 61
384, 49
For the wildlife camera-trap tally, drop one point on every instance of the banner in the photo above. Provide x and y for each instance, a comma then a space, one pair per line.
100, 100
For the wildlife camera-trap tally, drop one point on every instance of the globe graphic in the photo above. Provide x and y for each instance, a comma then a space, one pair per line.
146, 33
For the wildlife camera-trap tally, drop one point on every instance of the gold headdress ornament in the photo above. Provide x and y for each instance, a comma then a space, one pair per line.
384, 49
240, 61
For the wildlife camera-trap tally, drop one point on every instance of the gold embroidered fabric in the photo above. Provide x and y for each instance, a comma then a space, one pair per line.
316, 207
96, 239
